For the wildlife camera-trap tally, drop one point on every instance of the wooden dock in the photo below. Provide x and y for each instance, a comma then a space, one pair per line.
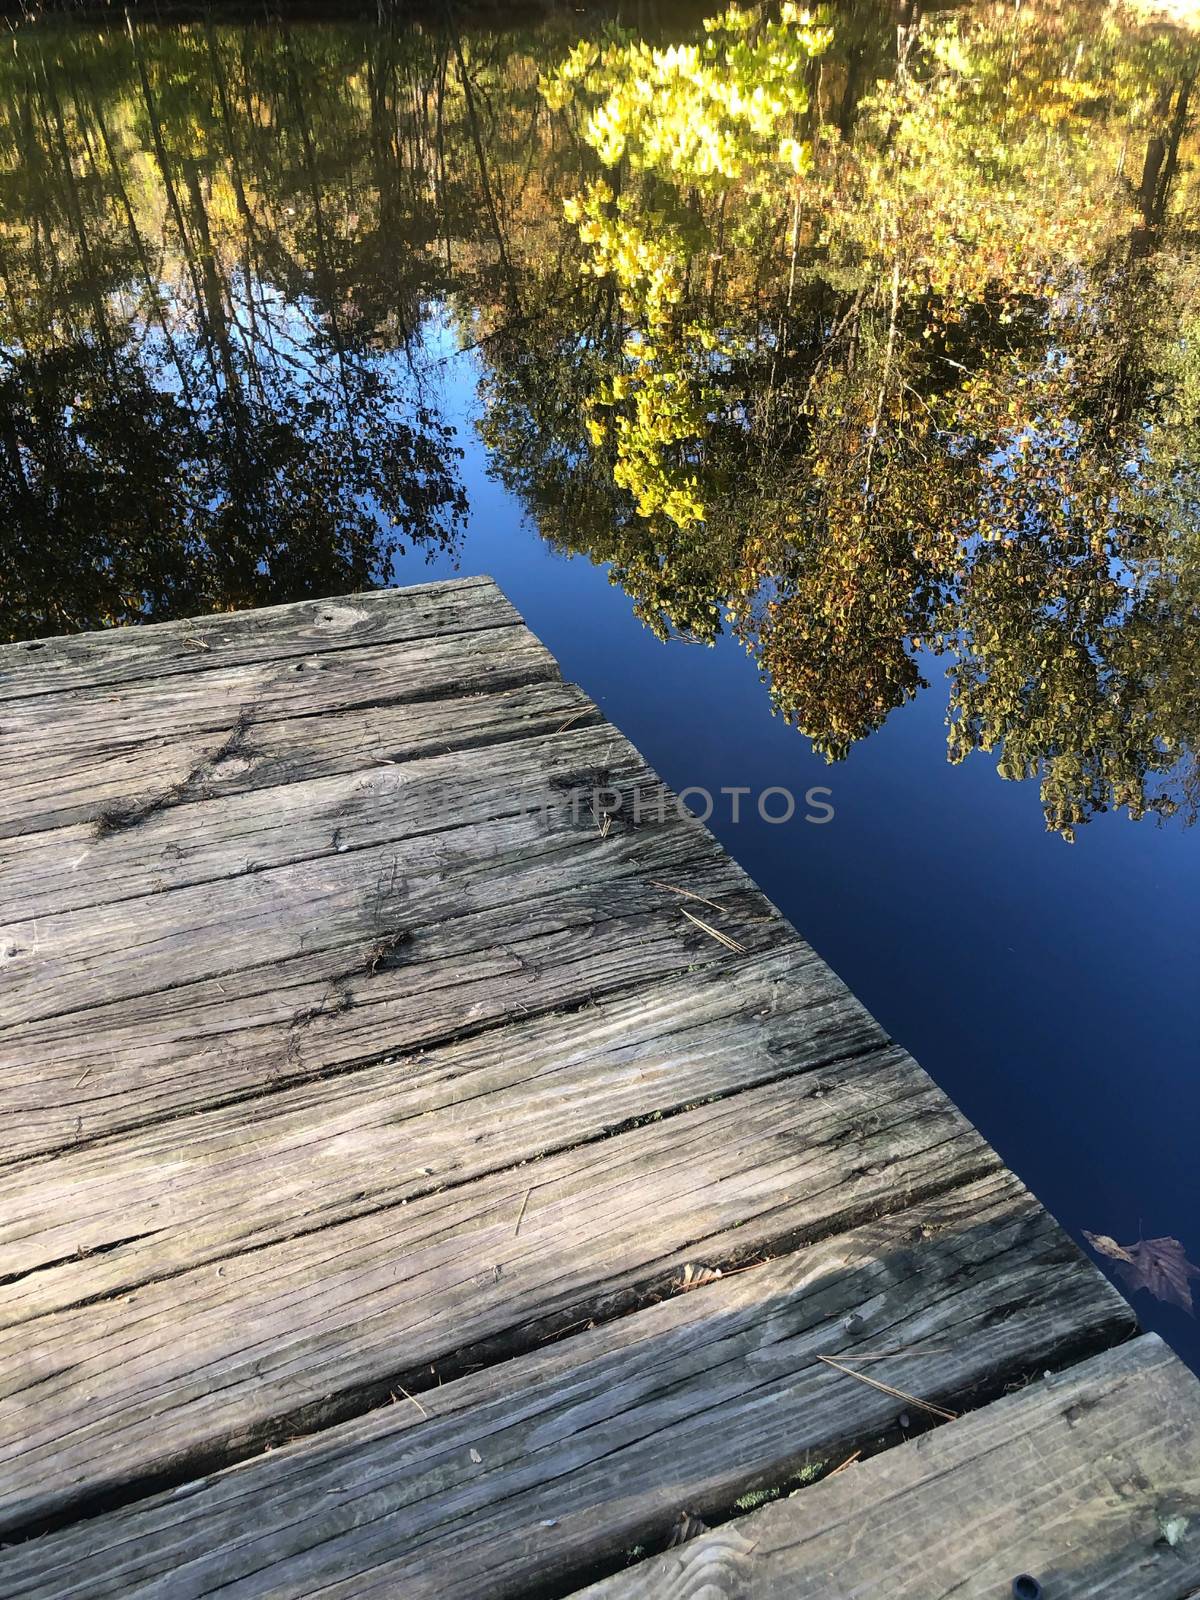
416, 1184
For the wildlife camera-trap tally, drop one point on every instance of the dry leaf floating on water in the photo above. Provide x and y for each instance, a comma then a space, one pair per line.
1159, 1265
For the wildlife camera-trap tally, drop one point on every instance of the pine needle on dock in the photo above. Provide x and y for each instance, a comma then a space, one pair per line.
886, 1388
715, 933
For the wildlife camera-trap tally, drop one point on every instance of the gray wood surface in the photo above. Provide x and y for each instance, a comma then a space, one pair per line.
114, 1213
76, 728
50, 789
1088, 1481
231, 639
578, 937
348, 901
67, 869
359, 1091
213, 1360
527, 1472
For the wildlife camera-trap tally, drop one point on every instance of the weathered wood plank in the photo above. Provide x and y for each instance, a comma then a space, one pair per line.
132, 1062
231, 639
208, 1364
72, 868
332, 1067
523, 1476
86, 723
51, 788
207, 1185
1075, 1481
356, 900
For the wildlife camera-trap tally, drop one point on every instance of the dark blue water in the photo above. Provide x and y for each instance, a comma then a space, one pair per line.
1049, 988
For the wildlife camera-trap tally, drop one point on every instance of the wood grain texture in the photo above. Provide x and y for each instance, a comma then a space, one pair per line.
208, 1363
119, 1212
86, 724
71, 868
577, 937
520, 1477
65, 962
51, 788
1074, 1480
234, 639
344, 1058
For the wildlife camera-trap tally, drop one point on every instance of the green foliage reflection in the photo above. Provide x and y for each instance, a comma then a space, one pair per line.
908, 370
874, 344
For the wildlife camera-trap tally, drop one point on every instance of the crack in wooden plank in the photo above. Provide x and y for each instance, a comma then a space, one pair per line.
21, 677
572, 916
634, 1390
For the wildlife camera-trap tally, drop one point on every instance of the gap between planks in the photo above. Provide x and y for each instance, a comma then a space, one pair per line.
211, 1319
520, 1477
1076, 1479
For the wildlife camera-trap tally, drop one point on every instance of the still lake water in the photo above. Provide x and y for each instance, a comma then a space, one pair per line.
827, 398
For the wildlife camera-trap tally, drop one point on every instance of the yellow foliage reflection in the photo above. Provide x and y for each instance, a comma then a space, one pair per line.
875, 343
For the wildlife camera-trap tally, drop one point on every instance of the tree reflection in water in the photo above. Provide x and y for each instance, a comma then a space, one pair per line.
875, 344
